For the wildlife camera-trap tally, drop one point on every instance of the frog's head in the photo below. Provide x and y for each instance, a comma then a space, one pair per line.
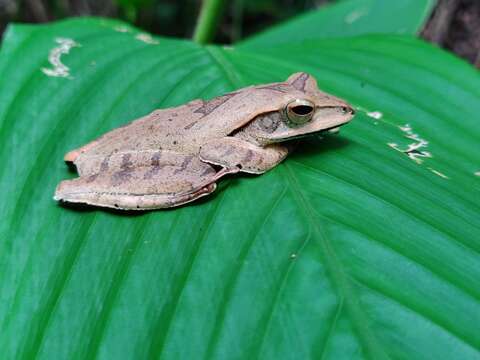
304, 110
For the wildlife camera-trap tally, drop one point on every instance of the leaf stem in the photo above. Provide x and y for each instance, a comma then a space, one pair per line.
208, 20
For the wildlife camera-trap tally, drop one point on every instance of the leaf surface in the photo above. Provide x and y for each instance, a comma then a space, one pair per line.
349, 249
347, 18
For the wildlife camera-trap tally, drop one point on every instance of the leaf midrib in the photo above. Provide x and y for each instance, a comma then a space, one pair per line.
370, 343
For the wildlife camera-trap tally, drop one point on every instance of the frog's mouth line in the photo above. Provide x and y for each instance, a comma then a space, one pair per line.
319, 132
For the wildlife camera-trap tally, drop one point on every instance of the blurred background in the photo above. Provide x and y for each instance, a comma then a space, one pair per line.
454, 24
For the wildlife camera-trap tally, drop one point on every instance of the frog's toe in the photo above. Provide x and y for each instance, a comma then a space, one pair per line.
71, 156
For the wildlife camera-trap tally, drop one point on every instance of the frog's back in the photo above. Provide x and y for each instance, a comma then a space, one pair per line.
185, 128
161, 129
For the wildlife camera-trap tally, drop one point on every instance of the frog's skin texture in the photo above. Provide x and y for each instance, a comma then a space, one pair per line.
174, 156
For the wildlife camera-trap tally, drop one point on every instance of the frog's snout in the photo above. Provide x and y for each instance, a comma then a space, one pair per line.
347, 109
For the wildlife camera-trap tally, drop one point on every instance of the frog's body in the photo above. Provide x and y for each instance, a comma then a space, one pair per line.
166, 158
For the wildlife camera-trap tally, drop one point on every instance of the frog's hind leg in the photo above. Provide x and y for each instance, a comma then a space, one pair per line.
125, 201
168, 179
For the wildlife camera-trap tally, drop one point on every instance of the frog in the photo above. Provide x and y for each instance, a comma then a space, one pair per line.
177, 155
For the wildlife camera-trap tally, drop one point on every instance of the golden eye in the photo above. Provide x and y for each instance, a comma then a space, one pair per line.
299, 112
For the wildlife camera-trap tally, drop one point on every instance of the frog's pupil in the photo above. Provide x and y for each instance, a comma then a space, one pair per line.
302, 109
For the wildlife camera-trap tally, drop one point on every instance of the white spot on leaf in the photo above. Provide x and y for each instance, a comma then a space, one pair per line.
476, 173
122, 29
146, 38
415, 150
355, 15
54, 58
375, 114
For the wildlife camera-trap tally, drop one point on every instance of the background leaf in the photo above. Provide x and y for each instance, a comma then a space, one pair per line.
347, 18
348, 249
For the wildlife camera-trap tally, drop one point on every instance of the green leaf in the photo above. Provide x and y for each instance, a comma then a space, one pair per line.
348, 18
348, 249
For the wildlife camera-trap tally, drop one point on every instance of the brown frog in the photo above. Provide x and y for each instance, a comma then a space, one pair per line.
174, 156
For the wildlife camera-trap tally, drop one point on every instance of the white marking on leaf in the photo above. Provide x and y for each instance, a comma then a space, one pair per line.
438, 173
122, 29
414, 150
375, 114
355, 15
476, 173
54, 58
146, 38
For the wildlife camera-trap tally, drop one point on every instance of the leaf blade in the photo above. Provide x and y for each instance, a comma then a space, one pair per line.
335, 253
346, 18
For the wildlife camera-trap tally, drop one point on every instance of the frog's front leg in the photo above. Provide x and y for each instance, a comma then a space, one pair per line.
230, 152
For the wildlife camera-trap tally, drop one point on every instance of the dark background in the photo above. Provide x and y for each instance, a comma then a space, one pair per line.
455, 24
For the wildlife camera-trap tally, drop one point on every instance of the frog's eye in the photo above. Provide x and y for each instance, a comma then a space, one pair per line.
299, 111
